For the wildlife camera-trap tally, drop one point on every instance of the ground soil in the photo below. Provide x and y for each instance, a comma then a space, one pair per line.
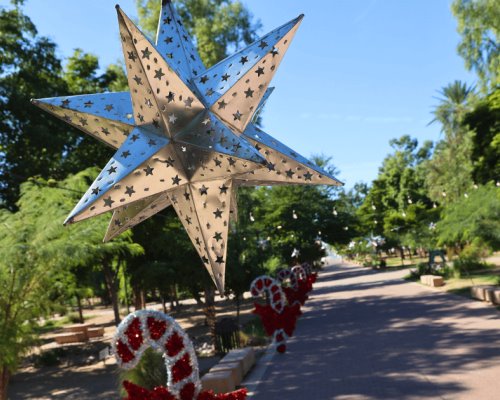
81, 376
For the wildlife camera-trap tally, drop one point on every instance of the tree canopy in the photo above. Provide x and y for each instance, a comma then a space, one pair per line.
479, 28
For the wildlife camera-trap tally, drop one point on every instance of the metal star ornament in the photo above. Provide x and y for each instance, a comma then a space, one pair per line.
184, 135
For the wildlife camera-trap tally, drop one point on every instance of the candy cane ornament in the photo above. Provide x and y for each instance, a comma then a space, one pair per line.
300, 272
294, 293
266, 285
284, 274
311, 276
277, 318
307, 268
145, 329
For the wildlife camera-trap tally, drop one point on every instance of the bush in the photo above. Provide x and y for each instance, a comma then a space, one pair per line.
73, 317
149, 373
49, 358
421, 269
464, 265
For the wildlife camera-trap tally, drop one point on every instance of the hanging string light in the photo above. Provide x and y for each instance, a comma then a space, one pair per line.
434, 205
334, 212
294, 214
410, 201
443, 194
251, 217
345, 228
466, 195
403, 214
475, 186
373, 207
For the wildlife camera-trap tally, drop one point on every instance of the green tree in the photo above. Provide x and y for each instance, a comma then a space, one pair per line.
300, 217
217, 25
476, 217
36, 251
32, 143
479, 27
484, 123
397, 206
449, 173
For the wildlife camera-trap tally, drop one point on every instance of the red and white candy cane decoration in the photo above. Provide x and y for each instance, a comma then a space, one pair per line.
299, 272
147, 328
266, 285
307, 268
284, 274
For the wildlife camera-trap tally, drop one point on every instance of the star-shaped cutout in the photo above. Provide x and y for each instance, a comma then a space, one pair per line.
174, 101
130, 191
217, 213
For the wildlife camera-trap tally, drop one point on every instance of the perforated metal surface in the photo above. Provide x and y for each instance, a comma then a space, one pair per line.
184, 135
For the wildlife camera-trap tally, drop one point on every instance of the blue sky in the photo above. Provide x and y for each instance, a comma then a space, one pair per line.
358, 73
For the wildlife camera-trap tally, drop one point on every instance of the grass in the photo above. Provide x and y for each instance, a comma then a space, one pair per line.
395, 262
54, 324
462, 285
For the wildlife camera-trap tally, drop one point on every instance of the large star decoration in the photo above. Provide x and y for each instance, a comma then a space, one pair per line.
184, 135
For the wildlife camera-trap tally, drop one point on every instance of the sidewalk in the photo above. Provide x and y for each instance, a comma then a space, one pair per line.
372, 335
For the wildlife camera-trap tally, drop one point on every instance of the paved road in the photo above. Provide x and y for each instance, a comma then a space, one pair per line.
371, 335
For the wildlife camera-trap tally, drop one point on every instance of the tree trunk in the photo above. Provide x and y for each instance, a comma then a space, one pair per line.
4, 382
139, 299
111, 285
125, 287
80, 308
176, 297
209, 310
196, 296
238, 306
163, 303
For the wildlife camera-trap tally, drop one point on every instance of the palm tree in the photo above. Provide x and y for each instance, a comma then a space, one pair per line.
456, 99
449, 173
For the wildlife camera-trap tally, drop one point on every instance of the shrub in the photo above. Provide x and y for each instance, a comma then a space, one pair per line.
49, 358
149, 373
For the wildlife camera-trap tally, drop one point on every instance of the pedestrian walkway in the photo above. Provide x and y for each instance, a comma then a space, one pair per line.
372, 335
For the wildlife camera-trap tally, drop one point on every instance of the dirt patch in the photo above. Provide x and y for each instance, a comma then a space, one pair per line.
81, 376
